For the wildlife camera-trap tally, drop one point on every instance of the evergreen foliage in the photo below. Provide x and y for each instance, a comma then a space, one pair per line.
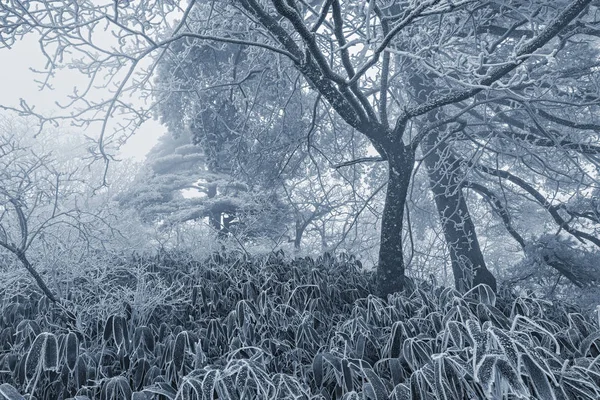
234, 327
176, 186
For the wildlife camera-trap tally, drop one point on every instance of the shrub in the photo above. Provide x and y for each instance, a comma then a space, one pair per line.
265, 328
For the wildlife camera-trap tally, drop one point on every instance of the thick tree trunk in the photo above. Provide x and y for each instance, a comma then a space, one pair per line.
468, 264
390, 269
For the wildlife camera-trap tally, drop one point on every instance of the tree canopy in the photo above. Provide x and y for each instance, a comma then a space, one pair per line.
496, 98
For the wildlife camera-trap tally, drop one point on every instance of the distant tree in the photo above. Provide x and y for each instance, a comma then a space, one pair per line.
35, 207
50, 219
175, 186
26, 184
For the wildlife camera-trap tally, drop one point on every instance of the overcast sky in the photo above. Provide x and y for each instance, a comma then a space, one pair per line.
18, 82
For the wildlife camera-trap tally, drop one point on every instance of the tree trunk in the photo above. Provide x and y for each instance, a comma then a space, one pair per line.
390, 269
468, 264
214, 219
300, 227
226, 227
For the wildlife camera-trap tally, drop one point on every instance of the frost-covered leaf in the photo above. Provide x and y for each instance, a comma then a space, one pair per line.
538, 377
483, 294
593, 340
508, 373
400, 392
42, 355
71, 350
208, 384
378, 389
50, 361
179, 349
8, 392
116, 388
506, 345
484, 372
416, 352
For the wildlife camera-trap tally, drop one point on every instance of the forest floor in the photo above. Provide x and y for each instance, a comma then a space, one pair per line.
170, 327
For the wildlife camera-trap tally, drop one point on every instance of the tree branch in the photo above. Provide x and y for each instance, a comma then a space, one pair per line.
552, 210
498, 207
358, 161
521, 55
414, 14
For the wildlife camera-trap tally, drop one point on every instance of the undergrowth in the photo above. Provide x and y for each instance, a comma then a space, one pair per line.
232, 327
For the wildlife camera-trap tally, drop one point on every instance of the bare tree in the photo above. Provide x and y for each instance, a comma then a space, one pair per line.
20, 175
45, 206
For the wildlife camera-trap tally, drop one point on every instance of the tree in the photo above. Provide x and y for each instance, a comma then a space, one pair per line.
27, 183
530, 147
445, 177
477, 52
206, 92
36, 201
175, 186
53, 227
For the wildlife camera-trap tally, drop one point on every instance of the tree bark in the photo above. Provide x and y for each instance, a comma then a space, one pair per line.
300, 227
214, 219
390, 268
468, 264
298, 237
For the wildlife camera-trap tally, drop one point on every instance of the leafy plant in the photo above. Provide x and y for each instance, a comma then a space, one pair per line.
271, 327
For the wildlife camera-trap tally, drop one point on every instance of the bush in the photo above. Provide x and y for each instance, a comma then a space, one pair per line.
234, 327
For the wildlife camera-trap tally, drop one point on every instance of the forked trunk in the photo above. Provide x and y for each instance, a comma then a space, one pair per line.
468, 264
390, 269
